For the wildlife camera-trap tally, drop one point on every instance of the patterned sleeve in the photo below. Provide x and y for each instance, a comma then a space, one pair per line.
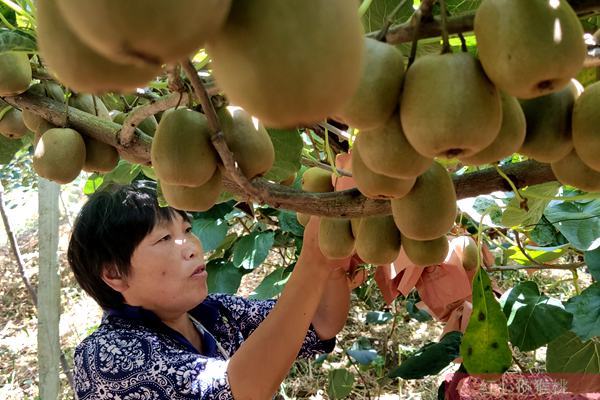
248, 314
135, 365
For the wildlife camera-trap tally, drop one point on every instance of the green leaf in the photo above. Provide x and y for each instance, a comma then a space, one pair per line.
289, 223
514, 215
272, 285
288, 153
579, 222
149, 172
487, 205
8, 148
592, 259
340, 383
224, 246
586, 312
378, 317
484, 347
217, 211
251, 250
223, 276
362, 351
8, 14
539, 254
16, 41
569, 354
379, 10
123, 174
211, 232
530, 314
429, 359
416, 313
93, 183
545, 234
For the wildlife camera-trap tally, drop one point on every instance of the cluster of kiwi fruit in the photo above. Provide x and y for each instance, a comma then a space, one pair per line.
515, 97
249, 43
288, 65
187, 164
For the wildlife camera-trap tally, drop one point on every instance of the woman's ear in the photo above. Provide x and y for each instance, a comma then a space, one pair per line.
114, 279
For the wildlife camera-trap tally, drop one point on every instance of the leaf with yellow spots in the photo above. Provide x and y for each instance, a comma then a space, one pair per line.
484, 346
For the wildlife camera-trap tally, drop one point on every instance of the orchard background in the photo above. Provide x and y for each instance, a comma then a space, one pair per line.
516, 289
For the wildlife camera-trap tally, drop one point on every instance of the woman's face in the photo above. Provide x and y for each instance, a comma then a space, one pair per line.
167, 274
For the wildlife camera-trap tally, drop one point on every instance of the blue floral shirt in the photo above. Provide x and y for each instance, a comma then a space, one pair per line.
134, 356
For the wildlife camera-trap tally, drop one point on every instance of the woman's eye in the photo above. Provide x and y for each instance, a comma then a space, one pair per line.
165, 238
188, 229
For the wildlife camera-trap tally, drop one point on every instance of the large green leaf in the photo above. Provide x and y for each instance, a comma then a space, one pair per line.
568, 353
539, 254
579, 222
379, 10
8, 148
429, 359
592, 259
16, 41
484, 347
530, 314
288, 153
272, 285
9, 15
545, 234
586, 312
340, 383
251, 250
223, 276
211, 232
514, 215
289, 223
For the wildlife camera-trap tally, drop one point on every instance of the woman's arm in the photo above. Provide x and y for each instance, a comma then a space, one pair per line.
332, 312
264, 359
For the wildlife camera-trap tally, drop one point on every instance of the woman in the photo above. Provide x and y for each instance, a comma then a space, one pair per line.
163, 336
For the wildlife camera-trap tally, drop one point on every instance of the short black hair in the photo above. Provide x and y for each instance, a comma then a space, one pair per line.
109, 227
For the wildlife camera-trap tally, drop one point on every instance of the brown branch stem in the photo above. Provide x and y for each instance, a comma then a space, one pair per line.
136, 116
405, 32
349, 203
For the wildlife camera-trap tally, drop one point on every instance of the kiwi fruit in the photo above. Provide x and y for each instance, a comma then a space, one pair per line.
148, 32
377, 186
378, 240
449, 108
248, 140
11, 124
182, 152
78, 66
99, 156
335, 238
529, 48
386, 151
15, 73
355, 225
377, 95
59, 155
428, 211
548, 121
571, 170
426, 252
252, 62
302, 218
466, 247
317, 180
34, 122
586, 126
509, 139
90, 104
148, 125
194, 198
